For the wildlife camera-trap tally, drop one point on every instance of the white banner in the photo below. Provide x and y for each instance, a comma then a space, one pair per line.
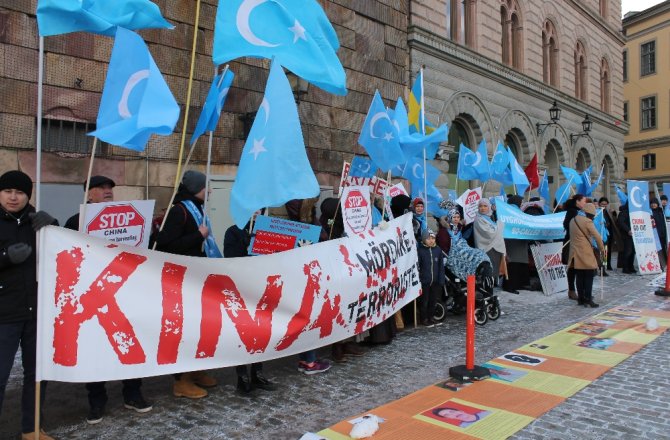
552, 272
110, 312
126, 223
640, 226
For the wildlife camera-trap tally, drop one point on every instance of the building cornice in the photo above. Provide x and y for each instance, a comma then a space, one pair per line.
647, 143
648, 31
435, 45
597, 20
648, 13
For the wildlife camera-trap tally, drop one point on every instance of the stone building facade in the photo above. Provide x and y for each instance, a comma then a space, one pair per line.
493, 68
373, 38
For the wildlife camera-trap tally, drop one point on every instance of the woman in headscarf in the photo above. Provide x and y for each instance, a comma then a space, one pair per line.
489, 235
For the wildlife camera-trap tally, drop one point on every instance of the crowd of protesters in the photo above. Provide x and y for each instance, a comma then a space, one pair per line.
186, 230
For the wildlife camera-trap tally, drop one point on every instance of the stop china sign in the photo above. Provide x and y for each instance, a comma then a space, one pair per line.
356, 211
122, 223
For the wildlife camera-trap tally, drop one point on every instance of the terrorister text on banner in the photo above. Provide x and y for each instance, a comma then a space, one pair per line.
109, 312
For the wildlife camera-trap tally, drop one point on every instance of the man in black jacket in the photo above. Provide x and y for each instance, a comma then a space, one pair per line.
100, 189
18, 284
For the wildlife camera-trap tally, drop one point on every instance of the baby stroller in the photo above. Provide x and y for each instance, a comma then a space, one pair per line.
455, 291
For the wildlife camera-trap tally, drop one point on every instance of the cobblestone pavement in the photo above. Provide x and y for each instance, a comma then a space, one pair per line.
629, 402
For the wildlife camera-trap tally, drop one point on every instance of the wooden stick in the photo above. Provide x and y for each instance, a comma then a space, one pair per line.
82, 217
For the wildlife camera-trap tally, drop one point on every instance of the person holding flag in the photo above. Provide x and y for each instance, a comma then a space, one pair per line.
187, 231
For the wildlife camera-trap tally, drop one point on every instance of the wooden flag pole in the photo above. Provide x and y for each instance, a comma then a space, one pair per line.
82, 217
339, 199
188, 98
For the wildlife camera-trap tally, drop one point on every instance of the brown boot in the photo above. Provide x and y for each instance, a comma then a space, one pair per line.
31, 436
353, 349
202, 379
573, 295
184, 387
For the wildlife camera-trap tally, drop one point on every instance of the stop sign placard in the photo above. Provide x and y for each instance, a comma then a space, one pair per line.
356, 211
121, 223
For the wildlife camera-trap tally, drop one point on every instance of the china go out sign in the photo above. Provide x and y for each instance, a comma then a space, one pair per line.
126, 223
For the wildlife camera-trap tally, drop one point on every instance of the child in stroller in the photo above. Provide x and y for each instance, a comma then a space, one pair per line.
462, 260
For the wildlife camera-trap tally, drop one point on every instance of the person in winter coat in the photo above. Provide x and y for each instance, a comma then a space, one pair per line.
186, 232
18, 283
431, 275
100, 189
572, 208
628, 255
236, 244
581, 257
659, 219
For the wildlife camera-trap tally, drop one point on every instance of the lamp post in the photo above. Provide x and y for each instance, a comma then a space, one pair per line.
586, 128
554, 115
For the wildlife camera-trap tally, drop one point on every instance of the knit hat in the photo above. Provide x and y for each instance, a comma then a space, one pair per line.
590, 208
17, 180
427, 233
194, 181
417, 201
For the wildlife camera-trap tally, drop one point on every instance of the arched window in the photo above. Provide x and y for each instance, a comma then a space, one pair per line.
512, 33
604, 86
461, 21
550, 54
580, 71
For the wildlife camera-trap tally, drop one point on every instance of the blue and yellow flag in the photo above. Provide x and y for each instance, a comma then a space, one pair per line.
416, 113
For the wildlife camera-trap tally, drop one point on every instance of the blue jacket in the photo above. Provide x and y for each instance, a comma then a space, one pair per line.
431, 265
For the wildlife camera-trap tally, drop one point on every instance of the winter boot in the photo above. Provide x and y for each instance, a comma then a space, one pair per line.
184, 387
202, 379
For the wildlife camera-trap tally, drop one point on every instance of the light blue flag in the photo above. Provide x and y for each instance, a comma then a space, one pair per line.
571, 175
543, 191
211, 111
379, 136
362, 167
595, 184
599, 223
296, 33
432, 200
519, 177
623, 198
136, 102
273, 167
563, 193
414, 144
482, 166
466, 159
55, 17
666, 192
584, 186
413, 171
500, 171
638, 196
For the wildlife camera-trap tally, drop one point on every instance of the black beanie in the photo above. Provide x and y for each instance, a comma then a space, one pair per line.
17, 180
194, 181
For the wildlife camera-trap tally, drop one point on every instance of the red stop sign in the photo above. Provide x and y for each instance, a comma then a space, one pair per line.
355, 199
118, 223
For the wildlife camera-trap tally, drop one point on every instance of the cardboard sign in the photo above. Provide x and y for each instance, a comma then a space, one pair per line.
126, 223
552, 271
356, 210
272, 234
469, 200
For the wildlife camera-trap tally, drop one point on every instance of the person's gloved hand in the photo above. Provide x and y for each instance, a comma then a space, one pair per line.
40, 219
19, 252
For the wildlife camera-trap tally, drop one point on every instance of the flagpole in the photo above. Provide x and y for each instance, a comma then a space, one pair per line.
562, 194
339, 199
422, 113
425, 188
38, 187
188, 101
209, 148
82, 217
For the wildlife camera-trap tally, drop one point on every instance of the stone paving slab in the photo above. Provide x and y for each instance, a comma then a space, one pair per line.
415, 359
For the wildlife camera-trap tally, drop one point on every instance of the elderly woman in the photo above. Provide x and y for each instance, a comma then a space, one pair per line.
581, 256
489, 235
462, 260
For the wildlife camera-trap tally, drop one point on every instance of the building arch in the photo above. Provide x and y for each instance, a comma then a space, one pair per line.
465, 103
517, 124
